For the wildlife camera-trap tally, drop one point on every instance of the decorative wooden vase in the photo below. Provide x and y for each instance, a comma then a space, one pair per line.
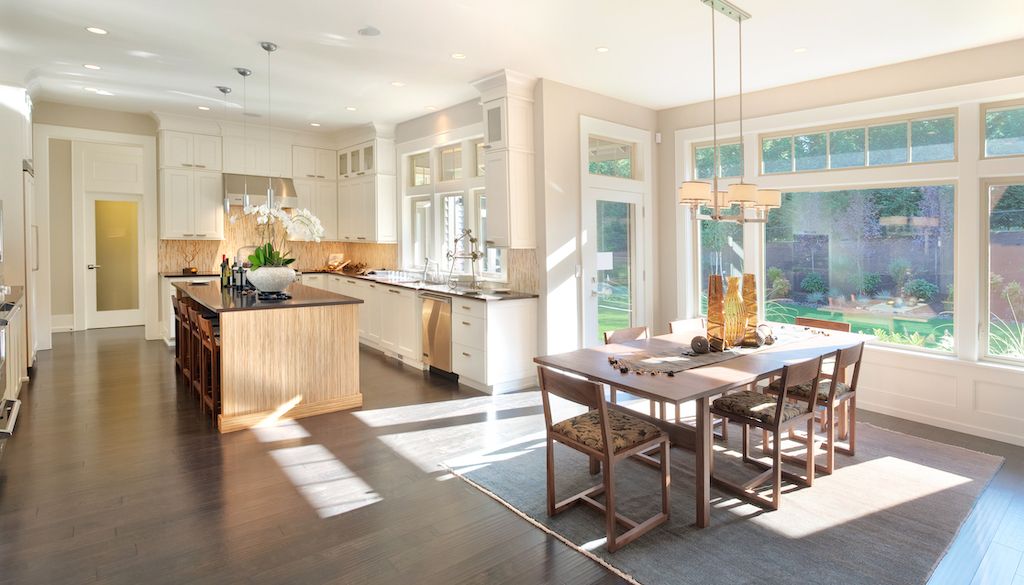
735, 314
750, 306
716, 314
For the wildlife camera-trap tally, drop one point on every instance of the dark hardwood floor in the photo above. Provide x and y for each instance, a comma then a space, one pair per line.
113, 476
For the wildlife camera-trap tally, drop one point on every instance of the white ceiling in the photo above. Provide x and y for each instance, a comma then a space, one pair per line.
168, 56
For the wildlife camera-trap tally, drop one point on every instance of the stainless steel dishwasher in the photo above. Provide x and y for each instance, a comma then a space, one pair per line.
437, 331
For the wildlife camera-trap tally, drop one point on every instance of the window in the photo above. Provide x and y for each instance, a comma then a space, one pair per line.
453, 222
889, 142
419, 169
493, 260
1004, 130
481, 160
421, 220
1006, 270
880, 259
730, 160
611, 158
721, 252
451, 163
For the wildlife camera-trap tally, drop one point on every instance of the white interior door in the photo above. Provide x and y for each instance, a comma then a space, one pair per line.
108, 179
613, 263
114, 252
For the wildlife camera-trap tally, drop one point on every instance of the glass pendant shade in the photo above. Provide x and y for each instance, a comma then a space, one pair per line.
695, 192
769, 198
742, 193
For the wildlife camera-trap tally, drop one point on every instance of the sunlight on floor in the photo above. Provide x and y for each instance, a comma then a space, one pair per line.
280, 411
286, 430
329, 487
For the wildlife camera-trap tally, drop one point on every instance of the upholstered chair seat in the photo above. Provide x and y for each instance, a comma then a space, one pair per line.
803, 391
756, 406
626, 431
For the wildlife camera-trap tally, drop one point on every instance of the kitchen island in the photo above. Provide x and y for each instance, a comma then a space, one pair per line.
282, 359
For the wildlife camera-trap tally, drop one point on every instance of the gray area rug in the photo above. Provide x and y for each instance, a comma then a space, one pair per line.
885, 516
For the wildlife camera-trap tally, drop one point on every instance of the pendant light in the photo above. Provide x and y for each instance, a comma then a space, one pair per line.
245, 73
702, 193
225, 90
269, 48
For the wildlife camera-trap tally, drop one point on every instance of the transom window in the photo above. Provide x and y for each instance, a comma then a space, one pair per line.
730, 160
889, 142
1004, 130
612, 158
419, 169
451, 163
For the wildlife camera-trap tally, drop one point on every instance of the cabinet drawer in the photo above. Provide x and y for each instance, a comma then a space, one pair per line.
469, 362
399, 292
461, 306
469, 331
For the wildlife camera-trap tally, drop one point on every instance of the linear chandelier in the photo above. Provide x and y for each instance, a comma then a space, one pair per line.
698, 194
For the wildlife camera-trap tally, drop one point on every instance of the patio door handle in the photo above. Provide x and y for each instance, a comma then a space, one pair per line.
93, 266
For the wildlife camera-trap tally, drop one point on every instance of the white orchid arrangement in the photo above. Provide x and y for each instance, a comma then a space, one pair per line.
276, 226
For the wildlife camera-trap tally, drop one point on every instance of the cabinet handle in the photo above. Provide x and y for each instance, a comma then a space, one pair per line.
350, 282
397, 292
466, 323
361, 173
465, 308
360, 238
485, 146
188, 234
311, 176
373, 286
200, 235
186, 164
201, 166
466, 354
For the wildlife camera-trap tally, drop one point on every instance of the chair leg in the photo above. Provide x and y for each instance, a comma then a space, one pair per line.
809, 468
830, 441
595, 466
551, 477
765, 444
653, 408
776, 472
844, 428
613, 395
725, 429
666, 477
679, 414
851, 412
609, 503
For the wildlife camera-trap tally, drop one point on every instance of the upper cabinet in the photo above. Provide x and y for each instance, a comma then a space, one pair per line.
181, 150
191, 204
495, 124
373, 156
255, 157
367, 192
313, 163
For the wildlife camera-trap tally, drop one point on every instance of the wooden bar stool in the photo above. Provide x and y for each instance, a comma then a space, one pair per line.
177, 328
199, 365
210, 356
183, 340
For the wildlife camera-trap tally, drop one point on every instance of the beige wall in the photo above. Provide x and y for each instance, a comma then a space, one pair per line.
448, 119
61, 285
93, 119
557, 111
992, 62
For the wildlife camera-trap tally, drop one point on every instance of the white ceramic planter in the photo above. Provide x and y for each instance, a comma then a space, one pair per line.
271, 278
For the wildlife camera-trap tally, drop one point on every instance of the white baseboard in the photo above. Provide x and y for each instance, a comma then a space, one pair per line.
941, 422
62, 323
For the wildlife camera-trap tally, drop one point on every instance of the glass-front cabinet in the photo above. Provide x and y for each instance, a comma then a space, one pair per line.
343, 169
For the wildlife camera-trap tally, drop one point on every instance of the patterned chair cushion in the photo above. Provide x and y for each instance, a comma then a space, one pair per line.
626, 431
756, 406
803, 391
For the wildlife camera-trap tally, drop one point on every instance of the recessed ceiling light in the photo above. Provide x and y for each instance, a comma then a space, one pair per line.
458, 56
204, 108
369, 31
398, 83
350, 108
800, 50
431, 108
93, 67
103, 92
92, 89
602, 49
96, 30
314, 124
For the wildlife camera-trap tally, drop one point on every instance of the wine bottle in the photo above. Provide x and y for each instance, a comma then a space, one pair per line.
224, 280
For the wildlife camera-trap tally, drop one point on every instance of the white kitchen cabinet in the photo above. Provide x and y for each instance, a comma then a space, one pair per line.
313, 163
367, 208
191, 205
508, 182
495, 124
400, 322
321, 199
315, 280
15, 339
343, 168
255, 157
189, 151
493, 343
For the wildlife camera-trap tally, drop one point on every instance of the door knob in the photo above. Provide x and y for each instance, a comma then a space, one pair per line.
93, 266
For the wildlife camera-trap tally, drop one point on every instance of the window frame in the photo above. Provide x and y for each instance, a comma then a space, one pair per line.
984, 274
732, 140
634, 158
864, 124
985, 109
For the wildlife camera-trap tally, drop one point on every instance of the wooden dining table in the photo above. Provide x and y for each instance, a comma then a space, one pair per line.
699, 384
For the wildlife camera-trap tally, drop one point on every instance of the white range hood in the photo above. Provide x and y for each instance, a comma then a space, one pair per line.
235, 187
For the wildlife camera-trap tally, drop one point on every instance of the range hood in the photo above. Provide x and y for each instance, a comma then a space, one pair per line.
284, 189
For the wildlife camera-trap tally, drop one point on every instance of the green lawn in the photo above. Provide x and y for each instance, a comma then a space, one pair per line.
613, 313
901, 331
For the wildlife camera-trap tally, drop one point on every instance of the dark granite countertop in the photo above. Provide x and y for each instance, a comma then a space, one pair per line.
218, 300
434, 288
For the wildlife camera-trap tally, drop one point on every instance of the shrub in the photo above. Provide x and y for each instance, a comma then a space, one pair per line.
780, 288
899, 270
772, 274
921, 289
816, 298
813, 283
870, 283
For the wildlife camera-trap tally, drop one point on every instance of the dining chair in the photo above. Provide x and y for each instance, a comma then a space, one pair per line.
607, 434
827, 363
773, 414
838, 397
630, 334
684, 325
